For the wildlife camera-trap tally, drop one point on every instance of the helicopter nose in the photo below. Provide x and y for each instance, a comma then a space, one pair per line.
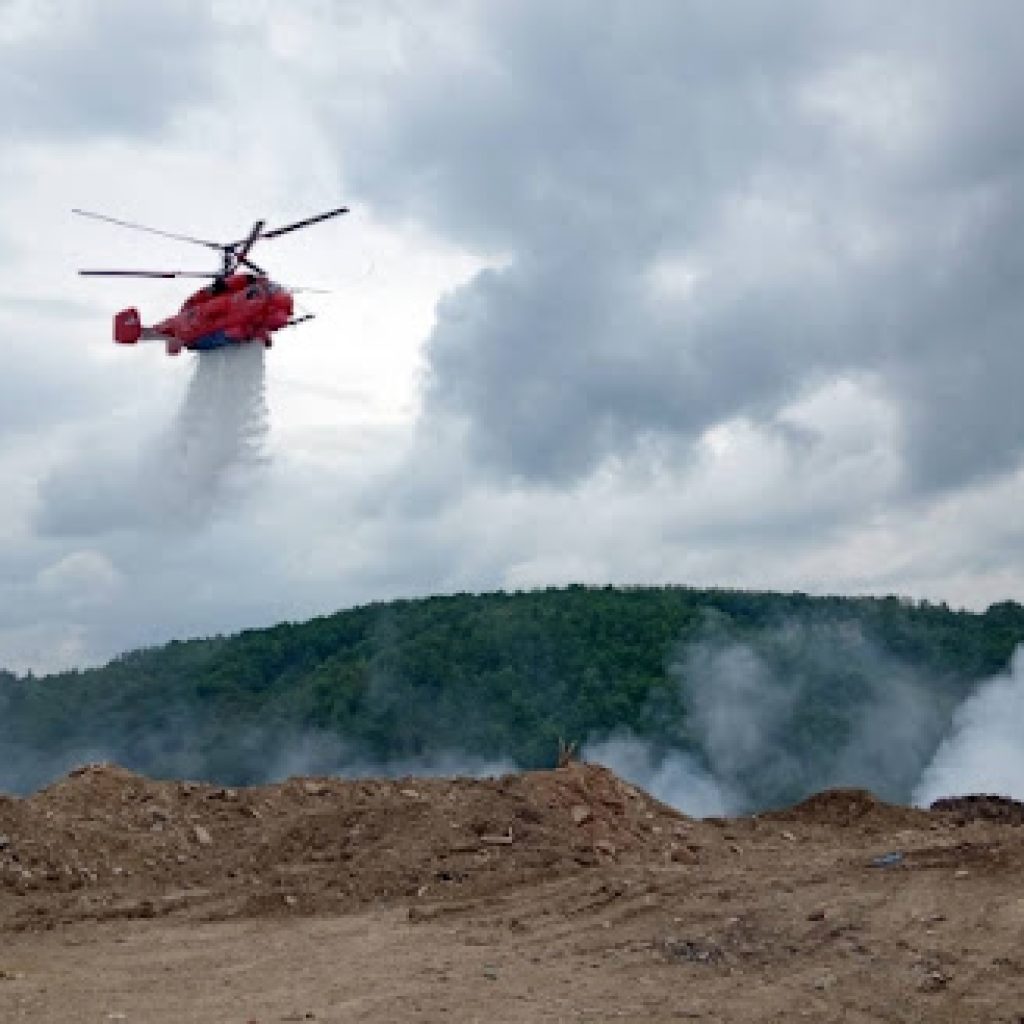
282, 302
280, 312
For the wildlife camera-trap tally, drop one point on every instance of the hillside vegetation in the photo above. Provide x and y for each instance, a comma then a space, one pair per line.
474, 680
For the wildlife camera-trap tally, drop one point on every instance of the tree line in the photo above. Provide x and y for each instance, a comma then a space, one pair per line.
497, 676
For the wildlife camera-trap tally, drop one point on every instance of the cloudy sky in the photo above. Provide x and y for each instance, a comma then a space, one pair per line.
659, 291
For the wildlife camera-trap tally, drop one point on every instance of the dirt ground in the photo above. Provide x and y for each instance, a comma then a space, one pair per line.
551, 896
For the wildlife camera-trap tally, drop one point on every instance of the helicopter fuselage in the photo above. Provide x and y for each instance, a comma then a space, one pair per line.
234, 310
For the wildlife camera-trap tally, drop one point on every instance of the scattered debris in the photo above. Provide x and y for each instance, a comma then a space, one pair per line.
566, 753
887, 860
694, 951
500, 840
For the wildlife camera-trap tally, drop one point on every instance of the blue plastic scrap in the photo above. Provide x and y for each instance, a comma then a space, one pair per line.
887, 860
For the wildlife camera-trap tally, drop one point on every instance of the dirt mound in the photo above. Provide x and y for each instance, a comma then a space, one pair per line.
538, 897
845, 807
983, 807
104, 842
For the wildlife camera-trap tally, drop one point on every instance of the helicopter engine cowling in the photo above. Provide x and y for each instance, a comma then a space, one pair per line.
127, 327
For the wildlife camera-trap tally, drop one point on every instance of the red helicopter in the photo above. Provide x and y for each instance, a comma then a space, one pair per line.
236, 308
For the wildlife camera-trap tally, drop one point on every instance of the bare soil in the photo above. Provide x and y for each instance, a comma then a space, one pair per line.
550, 896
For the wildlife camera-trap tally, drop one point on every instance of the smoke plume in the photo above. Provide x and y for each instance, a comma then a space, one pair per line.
777, 713
984, 751
805, 706
672, 776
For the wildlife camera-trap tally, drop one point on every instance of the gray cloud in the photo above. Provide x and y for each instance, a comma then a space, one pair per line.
703, 212
116, 68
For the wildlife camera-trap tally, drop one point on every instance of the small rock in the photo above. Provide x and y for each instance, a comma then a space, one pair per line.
816, 915
683, 855
203, 837
291, 900
581, 813
962, 873
605, 846
314, 788
786, 834
826, 981
412, 794
4, 842
934, 981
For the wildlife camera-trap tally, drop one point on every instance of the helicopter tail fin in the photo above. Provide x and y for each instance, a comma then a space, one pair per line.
127, 327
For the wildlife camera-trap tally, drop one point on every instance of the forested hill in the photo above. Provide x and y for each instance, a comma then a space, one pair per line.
469, 680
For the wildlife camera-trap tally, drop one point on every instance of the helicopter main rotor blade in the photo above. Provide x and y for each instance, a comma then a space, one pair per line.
152, 231
241, 251
252, 266
305, 223
147, 273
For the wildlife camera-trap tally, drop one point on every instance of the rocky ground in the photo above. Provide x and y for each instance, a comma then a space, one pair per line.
550, 896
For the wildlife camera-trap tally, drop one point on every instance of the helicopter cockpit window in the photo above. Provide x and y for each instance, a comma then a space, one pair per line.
254, 291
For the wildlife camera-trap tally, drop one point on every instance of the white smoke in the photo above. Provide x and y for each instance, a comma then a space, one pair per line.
794, 709
672, 776
984, 751
807, 706
324, 753
739, 712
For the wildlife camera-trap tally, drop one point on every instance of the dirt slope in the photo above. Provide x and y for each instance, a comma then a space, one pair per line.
566, 895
